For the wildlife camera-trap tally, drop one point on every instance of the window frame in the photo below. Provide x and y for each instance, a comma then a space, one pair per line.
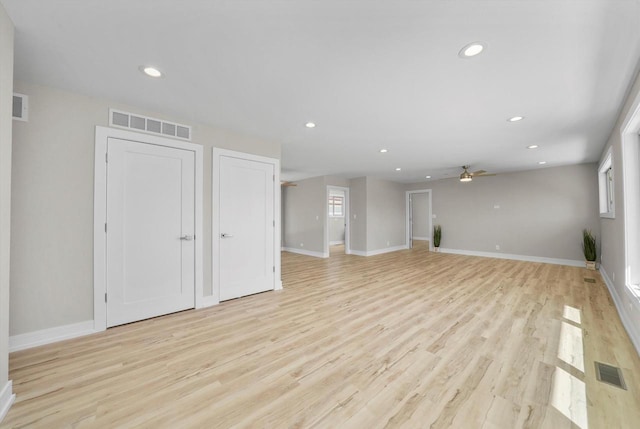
606, 186
332, 205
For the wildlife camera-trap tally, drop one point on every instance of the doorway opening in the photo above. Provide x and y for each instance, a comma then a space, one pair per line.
419, 222
336, 240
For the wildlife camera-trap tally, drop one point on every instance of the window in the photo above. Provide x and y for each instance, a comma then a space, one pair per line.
606, 187
336, 206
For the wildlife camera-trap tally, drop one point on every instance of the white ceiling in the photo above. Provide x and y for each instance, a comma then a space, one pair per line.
372, 74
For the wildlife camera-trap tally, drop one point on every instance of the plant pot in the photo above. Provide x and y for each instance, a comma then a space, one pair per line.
591, 265
436, 249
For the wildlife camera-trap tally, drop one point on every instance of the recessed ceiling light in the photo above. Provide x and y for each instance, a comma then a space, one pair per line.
150, 71
471, 50
542, 162
533, 146
515, 119
427, 177
310, 125
383, 151
398, 169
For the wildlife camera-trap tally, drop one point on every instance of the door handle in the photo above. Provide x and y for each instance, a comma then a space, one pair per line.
187, 237
225, 235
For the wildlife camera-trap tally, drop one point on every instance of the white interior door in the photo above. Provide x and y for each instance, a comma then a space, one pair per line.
246, 227
150, 254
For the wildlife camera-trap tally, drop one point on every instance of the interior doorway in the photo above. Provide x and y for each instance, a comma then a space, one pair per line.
337, 226
419, 222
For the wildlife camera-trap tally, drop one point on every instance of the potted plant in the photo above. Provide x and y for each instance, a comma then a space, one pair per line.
437, 235
589, 249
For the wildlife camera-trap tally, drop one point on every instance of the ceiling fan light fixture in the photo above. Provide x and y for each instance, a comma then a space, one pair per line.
515, 118
533, 146
466, 176
310, 125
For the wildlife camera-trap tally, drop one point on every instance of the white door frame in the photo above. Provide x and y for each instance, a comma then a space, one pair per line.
217, 153
408, 216
100, 214
347, 228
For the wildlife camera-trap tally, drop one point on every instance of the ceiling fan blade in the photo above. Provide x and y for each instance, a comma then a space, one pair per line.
485, 175
285, 183
478, 173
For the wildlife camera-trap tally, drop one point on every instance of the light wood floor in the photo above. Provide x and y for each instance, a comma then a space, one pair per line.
407, 339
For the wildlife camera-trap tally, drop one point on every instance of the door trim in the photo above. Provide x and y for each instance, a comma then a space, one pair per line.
216, 155
100, 214
407, 229
347, 228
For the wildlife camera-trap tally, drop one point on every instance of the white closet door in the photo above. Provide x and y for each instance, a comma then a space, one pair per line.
150, 227
246, 207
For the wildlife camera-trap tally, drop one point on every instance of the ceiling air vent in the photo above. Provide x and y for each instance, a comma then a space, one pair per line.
20, 107
146, 124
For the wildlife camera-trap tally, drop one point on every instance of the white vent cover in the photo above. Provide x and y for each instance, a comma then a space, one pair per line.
20, 107
146, 124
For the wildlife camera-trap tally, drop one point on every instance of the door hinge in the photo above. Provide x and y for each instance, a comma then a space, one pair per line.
274, 268
274, 177
106, 157
274, 223
105, 297
105, 227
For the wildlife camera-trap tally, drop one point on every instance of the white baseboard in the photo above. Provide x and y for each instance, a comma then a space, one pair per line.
421, 238
6, 399
555, 261
378, 251
306, 252
51, 335
632, 330
278, 285
208, 301
335, 243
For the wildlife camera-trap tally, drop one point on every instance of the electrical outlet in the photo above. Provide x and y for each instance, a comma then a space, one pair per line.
497, 247
497, 206
387, 243
301, 244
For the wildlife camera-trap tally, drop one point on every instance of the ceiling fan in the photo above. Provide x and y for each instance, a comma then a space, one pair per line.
468, 177
286, 183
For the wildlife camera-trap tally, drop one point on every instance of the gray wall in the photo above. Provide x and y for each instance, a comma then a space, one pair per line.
613, 230
541, 212
6, 91
420, 217
304, 215
385, 214
52, 203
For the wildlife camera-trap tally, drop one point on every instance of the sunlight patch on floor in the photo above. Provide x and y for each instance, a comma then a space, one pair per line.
570, 349
572, 314
569, 397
